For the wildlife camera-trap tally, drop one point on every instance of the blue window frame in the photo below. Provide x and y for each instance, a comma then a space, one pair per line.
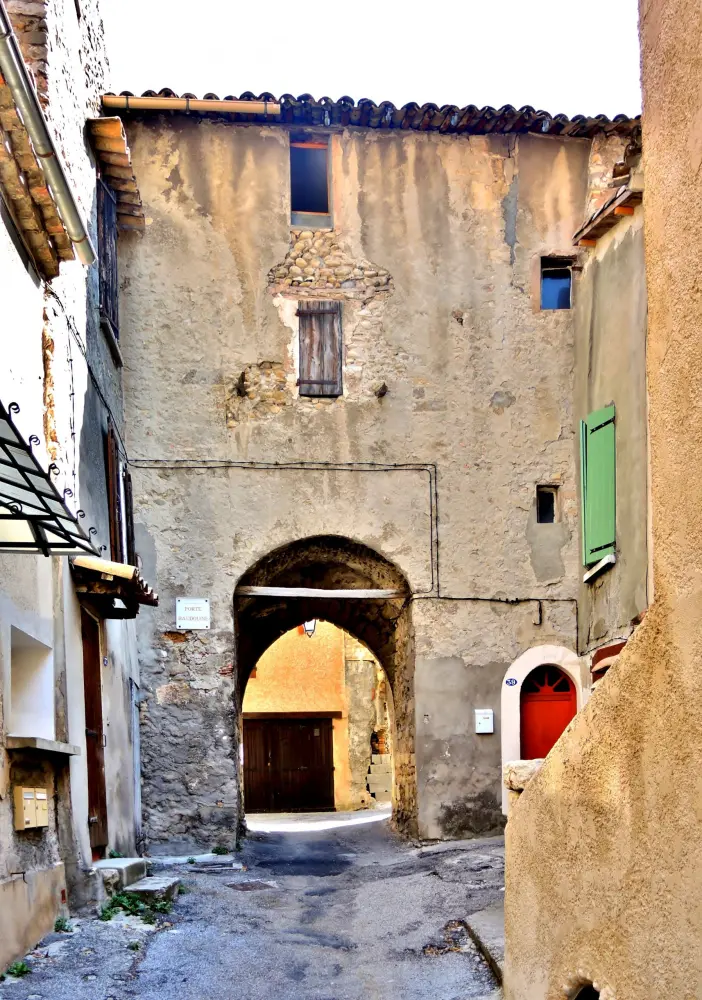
556, 282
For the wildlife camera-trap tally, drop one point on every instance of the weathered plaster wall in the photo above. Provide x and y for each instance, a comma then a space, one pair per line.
610, 366
479, 383
602, 868
300, 673
28, 910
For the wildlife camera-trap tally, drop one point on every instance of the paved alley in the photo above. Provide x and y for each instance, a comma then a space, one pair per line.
325, 907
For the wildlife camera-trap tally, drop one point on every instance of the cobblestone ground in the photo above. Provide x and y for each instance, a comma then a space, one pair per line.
348, 913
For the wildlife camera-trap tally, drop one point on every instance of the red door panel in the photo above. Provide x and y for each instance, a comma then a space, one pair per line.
548, 702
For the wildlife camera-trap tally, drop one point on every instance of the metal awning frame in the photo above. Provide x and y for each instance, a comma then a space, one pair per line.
30, 501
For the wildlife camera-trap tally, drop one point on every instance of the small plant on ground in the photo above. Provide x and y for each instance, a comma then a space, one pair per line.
220, 849
63, 924
106, 913
128, 902
18, 969
134, 946
162, 906
114, 854
149, 917
191, 860
182, 890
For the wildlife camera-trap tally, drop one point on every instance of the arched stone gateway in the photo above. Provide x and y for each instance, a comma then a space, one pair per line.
383, 624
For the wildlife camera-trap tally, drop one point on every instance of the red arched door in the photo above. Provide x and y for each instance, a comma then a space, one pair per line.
547, 704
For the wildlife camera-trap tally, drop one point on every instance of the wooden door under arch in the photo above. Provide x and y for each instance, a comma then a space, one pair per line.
548, 702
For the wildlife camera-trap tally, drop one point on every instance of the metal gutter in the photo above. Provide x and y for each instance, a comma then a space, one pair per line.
127, 103
25, 98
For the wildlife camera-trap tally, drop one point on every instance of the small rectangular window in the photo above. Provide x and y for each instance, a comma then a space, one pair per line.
556, 282
309, 184
320, 348
546, 509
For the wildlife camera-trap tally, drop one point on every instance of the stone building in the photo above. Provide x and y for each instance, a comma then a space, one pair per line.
69, 584
353, 361
610, 884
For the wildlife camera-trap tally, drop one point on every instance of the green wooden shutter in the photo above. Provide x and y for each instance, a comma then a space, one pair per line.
598, 485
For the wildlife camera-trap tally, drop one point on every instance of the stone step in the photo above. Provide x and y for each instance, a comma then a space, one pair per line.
155, 887
380, 769
376, 785
381, 758
382, 795
119, 873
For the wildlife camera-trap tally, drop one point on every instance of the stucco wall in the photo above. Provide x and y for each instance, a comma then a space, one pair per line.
602, 868
479, 383
610, 366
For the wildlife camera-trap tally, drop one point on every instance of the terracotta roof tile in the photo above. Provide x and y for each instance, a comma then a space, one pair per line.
449, 119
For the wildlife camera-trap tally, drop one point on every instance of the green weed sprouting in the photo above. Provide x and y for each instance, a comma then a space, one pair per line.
18, 969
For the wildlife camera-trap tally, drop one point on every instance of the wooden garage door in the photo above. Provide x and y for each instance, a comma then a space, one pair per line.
288, 765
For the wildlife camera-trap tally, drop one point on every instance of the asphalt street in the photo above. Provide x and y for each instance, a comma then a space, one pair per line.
326, 907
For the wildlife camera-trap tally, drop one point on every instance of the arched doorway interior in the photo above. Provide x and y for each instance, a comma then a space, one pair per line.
317, 725
383, 624
548, 702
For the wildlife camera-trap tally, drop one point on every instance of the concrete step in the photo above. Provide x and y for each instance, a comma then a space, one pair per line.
382, 796
378, 786
155, 887
380, 769
119, 873
381, 758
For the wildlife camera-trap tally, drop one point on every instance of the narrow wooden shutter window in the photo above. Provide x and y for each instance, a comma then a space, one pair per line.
129, 518
320, 348
107, 255
113, 496
599, 477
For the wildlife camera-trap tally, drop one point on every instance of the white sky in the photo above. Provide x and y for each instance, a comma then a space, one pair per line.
559, 55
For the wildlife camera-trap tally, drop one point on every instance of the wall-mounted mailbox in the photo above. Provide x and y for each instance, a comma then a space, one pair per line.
484, 721
31, 808
42, 803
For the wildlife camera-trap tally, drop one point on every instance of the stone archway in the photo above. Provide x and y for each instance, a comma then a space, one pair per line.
333, 563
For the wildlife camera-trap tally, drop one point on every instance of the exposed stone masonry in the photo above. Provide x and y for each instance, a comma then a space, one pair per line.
262, 389
317, 260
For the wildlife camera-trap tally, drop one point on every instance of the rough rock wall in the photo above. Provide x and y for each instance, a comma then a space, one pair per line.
602, 872
360, 691
478, 384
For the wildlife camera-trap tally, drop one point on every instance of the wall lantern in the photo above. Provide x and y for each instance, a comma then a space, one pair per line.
309, 627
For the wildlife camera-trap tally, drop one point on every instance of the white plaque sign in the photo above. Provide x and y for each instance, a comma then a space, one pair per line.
192, 612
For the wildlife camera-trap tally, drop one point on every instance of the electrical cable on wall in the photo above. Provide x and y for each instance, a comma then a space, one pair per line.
434, 593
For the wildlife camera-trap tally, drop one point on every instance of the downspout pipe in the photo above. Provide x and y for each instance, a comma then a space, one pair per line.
24, 95
125, 102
